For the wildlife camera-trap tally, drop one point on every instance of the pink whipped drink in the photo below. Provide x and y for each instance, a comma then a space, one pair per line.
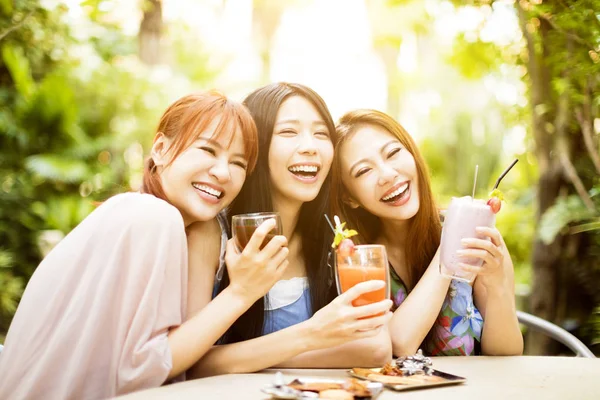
462, 217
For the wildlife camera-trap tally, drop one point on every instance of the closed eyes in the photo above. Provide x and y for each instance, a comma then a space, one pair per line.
213, 153
393, 152
209, 150
240, 164
361, 172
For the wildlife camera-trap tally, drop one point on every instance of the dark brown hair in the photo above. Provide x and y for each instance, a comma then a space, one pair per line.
191, 115
255, 196
424, 230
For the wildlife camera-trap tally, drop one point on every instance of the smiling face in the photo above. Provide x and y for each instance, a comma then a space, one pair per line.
379, 174
205, 177
300, 153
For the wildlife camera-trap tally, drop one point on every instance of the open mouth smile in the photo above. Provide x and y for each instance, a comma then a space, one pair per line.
209, 192
398, 194
305, 172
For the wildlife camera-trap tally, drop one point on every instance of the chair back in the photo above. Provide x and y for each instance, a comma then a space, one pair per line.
555, 332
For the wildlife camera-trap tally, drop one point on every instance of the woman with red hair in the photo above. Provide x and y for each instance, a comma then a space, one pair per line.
381, 187
104, 312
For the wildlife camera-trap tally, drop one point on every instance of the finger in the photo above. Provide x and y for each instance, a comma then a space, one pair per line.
231, 247
371, 309
471, 269
482, 244
361, 288
281, 268
274, 246
259, 235
278, 258
373, 322
363, 334
492, 233
481, 254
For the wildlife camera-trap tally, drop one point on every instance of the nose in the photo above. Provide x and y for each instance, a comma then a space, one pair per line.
387, 174
307, 144
220, 171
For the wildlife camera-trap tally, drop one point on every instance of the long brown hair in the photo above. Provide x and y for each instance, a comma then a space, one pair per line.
424, 230
255, 196
191, 115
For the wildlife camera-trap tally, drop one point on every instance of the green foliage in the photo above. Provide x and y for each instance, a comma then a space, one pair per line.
564, 212
474, 58
75, 113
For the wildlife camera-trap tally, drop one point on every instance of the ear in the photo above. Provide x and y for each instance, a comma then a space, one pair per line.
160, 149
350, 201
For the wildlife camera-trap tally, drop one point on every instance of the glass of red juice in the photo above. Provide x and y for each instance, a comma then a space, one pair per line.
367, 262
244, 225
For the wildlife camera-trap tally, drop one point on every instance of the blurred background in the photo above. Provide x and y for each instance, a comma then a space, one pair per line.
83, 84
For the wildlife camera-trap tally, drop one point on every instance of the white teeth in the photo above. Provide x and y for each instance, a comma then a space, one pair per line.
304, 168
396, 192
207, 189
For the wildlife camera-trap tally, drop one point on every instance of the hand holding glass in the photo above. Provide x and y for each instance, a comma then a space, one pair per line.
244, 225
367, 262
462, 217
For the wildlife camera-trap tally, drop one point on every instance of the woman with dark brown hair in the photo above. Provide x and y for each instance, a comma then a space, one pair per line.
381, 187
299, 324
104, 312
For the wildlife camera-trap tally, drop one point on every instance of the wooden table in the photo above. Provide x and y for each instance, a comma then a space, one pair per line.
488, 378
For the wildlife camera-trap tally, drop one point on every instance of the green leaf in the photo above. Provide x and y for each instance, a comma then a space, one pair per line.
6, 6
19, 69
58, 168
6, 259
589, 226
562, 213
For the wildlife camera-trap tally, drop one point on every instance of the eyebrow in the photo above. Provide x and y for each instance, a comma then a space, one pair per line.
218, 145
297, 121
362, 160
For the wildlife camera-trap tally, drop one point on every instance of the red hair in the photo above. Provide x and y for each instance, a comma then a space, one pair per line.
425, 228
191, 115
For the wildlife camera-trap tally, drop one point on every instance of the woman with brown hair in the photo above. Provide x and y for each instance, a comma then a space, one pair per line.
381, 187
104, 312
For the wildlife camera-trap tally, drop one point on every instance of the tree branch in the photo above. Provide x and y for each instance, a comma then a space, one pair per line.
570, 35
571, 174
586, 130
16, 26
563, 151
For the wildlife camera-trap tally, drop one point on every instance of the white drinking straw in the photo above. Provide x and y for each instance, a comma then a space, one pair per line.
475, 180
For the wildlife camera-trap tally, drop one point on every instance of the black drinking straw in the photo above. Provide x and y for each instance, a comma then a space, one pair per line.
505, 172
329, 222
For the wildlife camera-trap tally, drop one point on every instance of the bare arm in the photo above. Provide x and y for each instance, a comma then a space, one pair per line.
204, 245
416, 315
335, 324
369, 352
196, 336
253, 272
494, 296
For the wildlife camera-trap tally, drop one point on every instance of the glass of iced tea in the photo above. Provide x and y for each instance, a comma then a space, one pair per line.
244, 225
366, 262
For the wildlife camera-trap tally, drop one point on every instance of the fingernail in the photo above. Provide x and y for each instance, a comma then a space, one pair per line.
461, 252
465, 241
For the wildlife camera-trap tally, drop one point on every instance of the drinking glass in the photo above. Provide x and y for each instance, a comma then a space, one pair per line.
367, 262
462, 217
244, 225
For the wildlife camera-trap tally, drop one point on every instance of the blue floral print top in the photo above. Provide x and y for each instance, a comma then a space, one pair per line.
457, 330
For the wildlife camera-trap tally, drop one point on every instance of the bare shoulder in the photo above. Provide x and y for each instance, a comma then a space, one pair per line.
204, 230
204, 240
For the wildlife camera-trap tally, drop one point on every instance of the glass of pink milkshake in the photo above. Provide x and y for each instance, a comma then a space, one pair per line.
462, 217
